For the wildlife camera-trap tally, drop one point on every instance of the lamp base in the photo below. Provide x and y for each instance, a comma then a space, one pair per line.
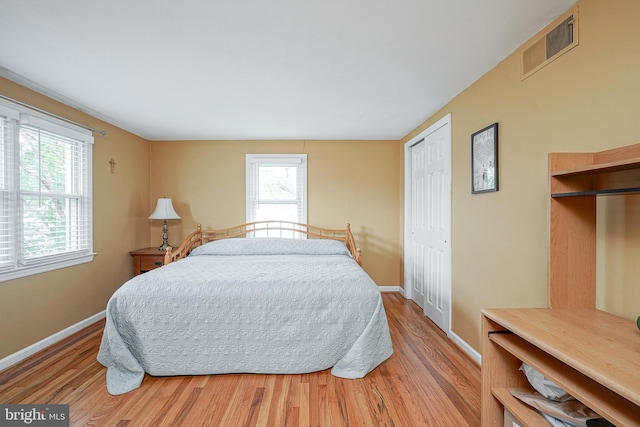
165, 237
163, 247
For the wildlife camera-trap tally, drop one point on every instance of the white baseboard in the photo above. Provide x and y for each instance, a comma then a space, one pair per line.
465, 347
389, 288
21, 355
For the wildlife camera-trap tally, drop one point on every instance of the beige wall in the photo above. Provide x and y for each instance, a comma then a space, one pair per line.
587, 100
354, 182
38, 306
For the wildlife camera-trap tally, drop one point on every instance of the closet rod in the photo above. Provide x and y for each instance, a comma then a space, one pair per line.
40, 110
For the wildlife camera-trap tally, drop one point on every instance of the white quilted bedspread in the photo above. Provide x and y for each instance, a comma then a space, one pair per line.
277, 313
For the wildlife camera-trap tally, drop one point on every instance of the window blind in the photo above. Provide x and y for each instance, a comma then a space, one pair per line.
276, 187
6, 241
45, 193
54, 202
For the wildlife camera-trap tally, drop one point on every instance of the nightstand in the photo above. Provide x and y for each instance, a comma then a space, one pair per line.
147, 259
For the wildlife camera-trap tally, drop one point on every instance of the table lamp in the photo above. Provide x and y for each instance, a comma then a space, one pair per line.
164, 210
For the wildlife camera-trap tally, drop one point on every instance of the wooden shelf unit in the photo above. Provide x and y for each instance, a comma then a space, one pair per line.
593, 355
575, 181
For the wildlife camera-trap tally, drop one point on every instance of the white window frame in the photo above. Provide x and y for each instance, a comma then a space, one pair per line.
255, 160
16, 266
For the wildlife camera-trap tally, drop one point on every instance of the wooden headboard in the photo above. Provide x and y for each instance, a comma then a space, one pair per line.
259, 229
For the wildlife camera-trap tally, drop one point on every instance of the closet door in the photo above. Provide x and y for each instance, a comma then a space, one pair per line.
428, 245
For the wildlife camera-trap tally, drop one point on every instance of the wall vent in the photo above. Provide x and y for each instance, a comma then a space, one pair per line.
556, 39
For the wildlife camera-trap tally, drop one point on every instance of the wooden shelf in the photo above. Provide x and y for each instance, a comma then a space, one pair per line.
597, 192
575, 348
599, 168
615, 171
523, 413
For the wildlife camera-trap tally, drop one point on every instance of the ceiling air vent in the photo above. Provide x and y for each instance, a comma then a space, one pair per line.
556, 39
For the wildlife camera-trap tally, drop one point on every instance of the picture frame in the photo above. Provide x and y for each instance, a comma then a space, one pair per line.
484, 160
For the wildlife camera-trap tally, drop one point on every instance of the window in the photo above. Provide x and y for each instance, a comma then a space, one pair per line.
45, 193
277, 187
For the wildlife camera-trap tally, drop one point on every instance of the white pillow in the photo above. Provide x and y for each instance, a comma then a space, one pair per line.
272, 246
545, 386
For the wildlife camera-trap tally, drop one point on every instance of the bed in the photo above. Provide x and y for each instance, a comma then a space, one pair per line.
264, 297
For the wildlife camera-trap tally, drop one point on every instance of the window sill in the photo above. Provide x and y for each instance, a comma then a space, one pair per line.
25, 271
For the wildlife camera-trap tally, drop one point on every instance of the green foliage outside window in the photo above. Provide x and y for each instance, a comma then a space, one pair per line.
48, 196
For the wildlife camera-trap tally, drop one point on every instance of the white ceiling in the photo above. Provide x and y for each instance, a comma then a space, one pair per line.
262, 69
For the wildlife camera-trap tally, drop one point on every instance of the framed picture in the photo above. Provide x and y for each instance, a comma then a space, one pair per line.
484, 160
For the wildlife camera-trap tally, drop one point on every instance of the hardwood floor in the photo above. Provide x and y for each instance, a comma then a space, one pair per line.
427, 382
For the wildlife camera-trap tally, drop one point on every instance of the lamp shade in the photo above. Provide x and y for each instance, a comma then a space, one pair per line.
164, 210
